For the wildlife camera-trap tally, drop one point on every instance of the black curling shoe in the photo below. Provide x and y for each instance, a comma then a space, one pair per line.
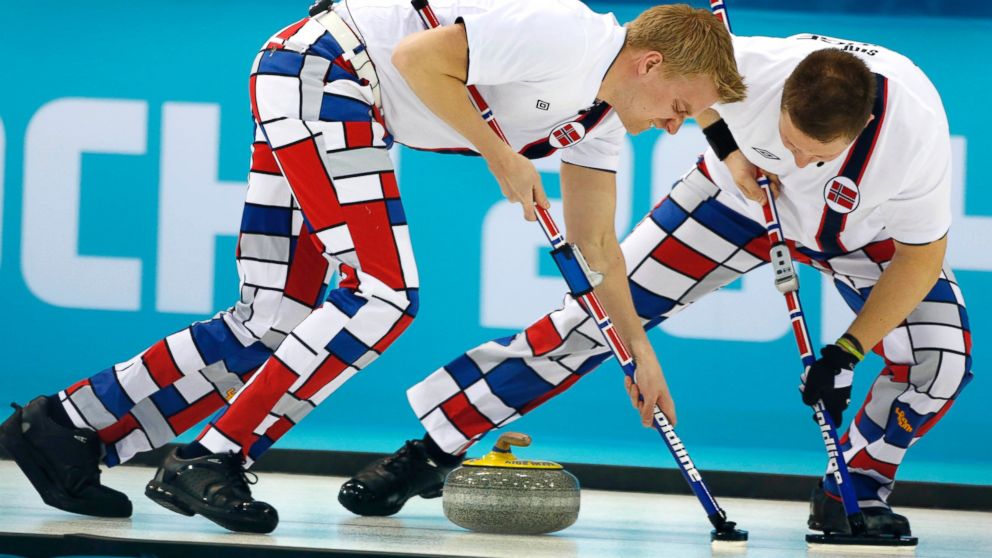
215, 486
384, 486
827, 514
63, 464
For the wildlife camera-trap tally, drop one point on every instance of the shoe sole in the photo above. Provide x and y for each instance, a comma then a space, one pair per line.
31, 462
175, 500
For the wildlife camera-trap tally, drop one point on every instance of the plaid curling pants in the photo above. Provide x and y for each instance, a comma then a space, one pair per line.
688, 246
322, 197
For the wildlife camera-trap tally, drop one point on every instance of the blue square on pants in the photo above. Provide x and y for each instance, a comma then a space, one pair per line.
281, 63
903, 424
265, 219
335, 108
396, 214
941, 292
669, 215
327, 47
464, 371
727, 223
346, 347
647, 304
169, 401
413, 295
516, 383
109, 391
346, 301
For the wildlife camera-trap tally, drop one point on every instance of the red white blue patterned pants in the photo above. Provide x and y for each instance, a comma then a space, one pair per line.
322, 197
688, 246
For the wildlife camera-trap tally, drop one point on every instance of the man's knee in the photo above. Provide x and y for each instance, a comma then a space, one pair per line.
940, 374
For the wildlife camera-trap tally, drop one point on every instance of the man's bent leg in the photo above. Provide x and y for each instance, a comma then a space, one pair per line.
145, 402
689, 245
148, 400
927, 364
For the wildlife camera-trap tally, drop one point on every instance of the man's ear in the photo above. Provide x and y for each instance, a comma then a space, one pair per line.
649, 60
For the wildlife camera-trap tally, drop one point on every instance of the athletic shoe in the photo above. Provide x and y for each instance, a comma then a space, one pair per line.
826, 513
384, 486
214, 486
63, 464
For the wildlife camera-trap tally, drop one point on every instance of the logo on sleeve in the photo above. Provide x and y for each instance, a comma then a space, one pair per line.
543, 105
566, 135
841, 194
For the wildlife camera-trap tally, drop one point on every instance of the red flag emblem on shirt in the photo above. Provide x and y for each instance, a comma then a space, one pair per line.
567, 134
841, 194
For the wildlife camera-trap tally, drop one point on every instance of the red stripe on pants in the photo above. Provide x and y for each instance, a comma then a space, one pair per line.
158, 361
305, 278
190, 416
304, 169
543, 337
255, 401
463, 415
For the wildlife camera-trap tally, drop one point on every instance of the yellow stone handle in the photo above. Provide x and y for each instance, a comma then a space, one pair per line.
508, 439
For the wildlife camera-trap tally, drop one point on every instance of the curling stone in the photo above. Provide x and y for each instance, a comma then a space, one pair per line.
502, 494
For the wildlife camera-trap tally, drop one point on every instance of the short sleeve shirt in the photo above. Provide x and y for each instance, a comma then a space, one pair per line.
536, 82
892, 182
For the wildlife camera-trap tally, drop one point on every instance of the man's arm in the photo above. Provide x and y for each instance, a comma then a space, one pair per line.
435, 65
908, 278
590, 207
740, 168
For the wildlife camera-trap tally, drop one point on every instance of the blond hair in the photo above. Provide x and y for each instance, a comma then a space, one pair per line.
693, 42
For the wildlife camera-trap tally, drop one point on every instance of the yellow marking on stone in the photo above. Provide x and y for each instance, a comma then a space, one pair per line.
509, 461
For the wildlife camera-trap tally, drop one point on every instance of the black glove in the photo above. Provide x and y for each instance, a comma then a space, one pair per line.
829, 379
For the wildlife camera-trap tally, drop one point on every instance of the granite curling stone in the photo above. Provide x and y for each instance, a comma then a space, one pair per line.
501, 494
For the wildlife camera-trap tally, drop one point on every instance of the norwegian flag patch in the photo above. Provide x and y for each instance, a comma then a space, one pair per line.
841, 194
566, 135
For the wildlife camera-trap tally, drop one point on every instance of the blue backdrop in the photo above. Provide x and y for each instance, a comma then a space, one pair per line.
124, 135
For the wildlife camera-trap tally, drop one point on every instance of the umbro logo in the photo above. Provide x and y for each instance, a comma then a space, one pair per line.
543, 105
766, 154
80, 439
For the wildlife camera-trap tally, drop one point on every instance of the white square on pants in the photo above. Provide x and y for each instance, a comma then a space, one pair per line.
268, 189
135, 379
704, 241
661, 280
431, 392
193, 387
949, 375
284, 132
336, 239
934, 336
485, 401
277, 97
132, 444
184, 352
358, 188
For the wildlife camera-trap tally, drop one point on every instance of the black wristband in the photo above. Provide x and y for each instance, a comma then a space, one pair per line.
720, 139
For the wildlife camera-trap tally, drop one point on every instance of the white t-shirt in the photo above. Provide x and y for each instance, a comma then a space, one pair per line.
537, 63
893, 182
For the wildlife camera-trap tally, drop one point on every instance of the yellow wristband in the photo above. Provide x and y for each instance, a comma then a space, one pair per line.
850, 348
